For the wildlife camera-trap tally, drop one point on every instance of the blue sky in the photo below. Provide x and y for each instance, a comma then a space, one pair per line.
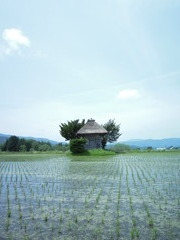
103, 59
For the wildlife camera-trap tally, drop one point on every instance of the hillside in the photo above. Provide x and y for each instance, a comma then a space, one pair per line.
4, 137
155, 143
136, 143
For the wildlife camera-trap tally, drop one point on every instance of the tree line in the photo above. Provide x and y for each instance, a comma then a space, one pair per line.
16, 144
68, 131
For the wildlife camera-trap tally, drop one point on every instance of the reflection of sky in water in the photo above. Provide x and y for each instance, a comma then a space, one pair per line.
87, 197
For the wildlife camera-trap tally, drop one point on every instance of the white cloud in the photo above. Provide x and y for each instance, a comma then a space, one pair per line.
14, 40
128, 94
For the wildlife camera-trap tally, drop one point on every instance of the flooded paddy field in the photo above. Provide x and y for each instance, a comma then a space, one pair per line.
130, 196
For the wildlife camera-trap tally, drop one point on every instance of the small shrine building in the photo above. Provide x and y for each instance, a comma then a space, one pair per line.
93, 132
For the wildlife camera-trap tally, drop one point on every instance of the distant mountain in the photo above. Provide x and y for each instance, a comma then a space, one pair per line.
42, 140
134, 143
4, 137
154, 143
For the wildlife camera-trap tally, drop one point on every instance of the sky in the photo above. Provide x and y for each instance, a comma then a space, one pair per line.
80, 59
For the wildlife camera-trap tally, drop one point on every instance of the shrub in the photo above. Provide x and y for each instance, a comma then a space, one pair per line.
22, 148
120, 148
77, 145
61, 147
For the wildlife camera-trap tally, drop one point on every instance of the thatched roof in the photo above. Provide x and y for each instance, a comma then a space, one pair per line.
91, 127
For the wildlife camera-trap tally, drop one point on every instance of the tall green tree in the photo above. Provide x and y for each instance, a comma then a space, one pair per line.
12, 144
113, 134
69, 130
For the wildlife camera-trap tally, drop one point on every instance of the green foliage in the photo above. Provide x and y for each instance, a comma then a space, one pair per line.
77, 145
94, 153
61, 147
149, 148
11, 144
28, 144
69, 130
44, 147
120, 148
104, 142
22, 148
1, 147
100, 152
113, 132
15, 144
34, 146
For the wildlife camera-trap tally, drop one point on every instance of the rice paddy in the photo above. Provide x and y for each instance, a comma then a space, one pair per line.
131, 196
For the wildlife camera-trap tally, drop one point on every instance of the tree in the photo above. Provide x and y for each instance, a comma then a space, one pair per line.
12, 144
22, 145
149, 148
22, 148
28, 144
34, 146
15, 144
44, 147
113, 134
1, 147
77, 145
104, 142
120, 148
69, 130
61, 147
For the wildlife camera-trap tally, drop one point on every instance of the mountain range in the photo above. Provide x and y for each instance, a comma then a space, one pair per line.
4, 137
135, 143
154, 143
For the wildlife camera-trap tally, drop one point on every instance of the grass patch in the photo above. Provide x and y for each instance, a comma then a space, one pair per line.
31, 153
93, 152
14, 156
101, 152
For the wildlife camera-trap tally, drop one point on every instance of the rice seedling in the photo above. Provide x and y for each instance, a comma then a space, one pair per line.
46, 218
154, 234
9, 213
7, 224
62, 194
76, 219
69, 225
60, 218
